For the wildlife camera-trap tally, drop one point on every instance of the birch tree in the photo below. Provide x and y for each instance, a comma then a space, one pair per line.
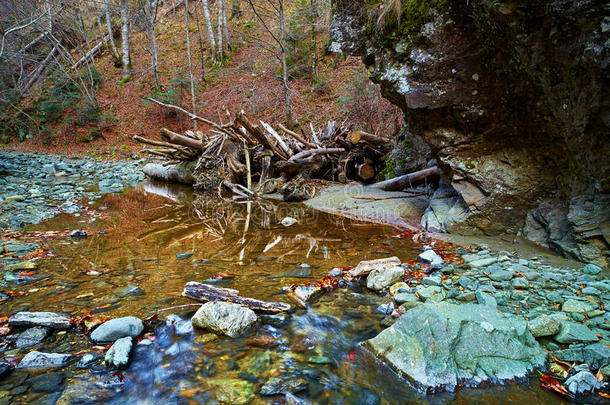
188, 52
115, 52
210, 27
126, 56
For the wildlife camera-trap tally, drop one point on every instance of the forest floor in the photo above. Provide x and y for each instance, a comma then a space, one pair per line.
246, 80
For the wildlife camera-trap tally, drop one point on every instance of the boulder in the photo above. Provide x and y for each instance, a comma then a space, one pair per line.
36, 359
45, 319
544, 325
440, 345
571, 332
430, 257
118, 354
382, 277
366, 266
224, 318
283, 385
118, 328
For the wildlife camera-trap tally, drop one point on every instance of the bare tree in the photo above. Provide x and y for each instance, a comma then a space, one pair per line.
115, 52
188, 52
208, 23
221, 50
124, 6
273, 19
150, 11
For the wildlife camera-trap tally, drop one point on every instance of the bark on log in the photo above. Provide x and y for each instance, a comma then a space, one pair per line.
204, 293
180, 173
180, 139
320, 151
411, 179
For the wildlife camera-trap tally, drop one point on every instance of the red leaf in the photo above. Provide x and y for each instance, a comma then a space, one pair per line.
222, 276
551, 383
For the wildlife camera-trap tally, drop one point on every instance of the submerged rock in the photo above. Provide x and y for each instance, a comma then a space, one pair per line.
36, 359
223, 318
45, 319
283, 385
231, 390
118, 328
118, 354
438, 346
31, 337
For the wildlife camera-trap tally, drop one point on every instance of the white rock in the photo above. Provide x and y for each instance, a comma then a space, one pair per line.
288, 221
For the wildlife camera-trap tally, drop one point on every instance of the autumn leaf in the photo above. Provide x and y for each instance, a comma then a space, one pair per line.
552, 383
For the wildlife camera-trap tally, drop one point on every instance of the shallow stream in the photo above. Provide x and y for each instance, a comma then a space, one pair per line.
147, 237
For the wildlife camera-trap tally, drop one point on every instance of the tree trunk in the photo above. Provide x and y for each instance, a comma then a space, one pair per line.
314, 38
221, 50
150, 24
287, 102
408, 180
225, 27
125, 39
49, 17
188, 53
208, 23
180, 173
115, 52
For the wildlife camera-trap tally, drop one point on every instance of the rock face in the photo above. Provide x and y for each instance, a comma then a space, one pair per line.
224, 318
118, 328
438, 346
43, 319
509, 100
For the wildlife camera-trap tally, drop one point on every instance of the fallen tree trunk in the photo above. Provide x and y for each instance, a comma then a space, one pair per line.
204, 293
180, 139
179, 173
408, 180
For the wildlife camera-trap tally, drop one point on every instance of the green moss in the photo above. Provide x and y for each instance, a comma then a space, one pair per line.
388, 28
389, 171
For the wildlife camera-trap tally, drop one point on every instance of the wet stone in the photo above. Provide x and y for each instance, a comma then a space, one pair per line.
47, 382
31, 337
282, 385
118, 354
45, 319
36, 359
519, 283
5, 369
297, 273
183, 256
383, 277
582, 383
128, 291
224, 318
231, 390
118, 328
89, 359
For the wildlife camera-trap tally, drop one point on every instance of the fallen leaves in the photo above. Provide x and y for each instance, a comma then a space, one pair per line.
85, 323
551, 383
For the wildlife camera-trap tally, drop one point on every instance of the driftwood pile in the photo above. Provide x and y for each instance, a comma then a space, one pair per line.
254, 158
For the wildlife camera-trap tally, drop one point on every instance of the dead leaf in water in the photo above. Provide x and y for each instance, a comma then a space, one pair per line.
552, 383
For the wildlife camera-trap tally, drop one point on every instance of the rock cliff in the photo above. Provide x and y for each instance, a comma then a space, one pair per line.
509, 95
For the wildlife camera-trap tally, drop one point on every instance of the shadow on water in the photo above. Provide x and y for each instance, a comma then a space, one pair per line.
315, 353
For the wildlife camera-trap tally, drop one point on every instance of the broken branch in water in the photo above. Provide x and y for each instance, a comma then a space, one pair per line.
204, 293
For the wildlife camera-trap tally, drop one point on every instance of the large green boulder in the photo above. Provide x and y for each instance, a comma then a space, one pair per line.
440, 345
